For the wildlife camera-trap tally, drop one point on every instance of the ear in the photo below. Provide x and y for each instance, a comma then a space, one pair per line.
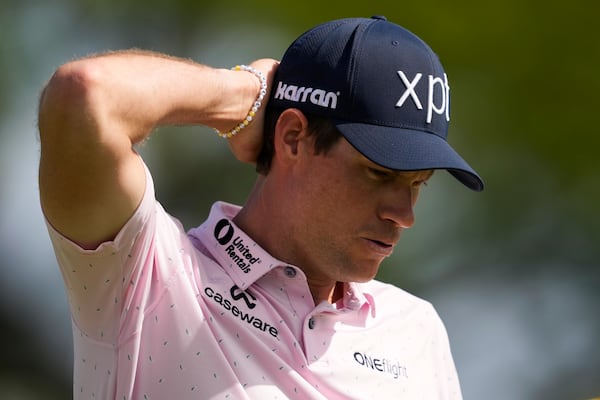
291, 135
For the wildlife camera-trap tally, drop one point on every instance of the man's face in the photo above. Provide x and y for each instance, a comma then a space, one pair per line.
349, 213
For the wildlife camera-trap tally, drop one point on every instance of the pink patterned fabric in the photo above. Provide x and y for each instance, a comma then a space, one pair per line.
159, 313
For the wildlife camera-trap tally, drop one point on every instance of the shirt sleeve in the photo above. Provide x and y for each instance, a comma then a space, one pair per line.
100, 282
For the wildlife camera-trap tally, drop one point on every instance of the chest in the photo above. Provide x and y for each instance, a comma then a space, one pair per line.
269, 337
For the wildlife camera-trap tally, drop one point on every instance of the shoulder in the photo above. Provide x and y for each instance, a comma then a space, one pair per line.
395, 302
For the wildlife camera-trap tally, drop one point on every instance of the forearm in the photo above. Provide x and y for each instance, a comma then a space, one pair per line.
132, 92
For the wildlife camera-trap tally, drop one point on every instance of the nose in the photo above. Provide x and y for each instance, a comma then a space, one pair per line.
398, 207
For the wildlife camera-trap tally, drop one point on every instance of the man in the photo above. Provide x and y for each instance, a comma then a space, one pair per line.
275, 299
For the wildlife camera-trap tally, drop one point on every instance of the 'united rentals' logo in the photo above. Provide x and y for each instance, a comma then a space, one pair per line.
236, 249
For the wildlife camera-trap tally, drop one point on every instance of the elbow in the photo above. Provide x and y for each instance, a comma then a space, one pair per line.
66, 102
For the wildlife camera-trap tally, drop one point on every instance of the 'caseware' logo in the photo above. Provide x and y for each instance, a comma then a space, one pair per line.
318, 97
236, 294
236, 249
244, 316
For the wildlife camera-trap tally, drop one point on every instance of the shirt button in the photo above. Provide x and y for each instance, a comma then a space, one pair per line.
311, 323
290, 272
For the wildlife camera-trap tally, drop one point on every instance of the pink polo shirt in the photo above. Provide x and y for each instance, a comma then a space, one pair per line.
159, 313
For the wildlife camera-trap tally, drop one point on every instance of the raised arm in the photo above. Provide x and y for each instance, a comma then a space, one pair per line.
94, 110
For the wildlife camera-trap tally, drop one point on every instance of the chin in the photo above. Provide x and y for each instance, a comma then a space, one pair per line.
365, 275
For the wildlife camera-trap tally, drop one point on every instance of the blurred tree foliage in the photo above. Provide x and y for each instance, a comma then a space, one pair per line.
525, 96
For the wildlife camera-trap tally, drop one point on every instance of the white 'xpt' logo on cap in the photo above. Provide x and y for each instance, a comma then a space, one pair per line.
434, 83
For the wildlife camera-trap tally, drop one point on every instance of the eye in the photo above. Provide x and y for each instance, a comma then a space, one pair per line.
380, 174
422, 182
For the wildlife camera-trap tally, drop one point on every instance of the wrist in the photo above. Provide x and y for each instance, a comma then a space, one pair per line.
258, 93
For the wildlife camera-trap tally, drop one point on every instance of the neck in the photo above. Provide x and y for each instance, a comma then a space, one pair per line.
262, 209
330, 293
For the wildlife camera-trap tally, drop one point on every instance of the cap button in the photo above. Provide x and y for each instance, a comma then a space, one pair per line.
381, 17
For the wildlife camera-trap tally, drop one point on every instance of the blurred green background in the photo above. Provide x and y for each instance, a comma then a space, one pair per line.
513, 271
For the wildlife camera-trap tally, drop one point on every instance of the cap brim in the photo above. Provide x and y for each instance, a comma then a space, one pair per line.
408, 150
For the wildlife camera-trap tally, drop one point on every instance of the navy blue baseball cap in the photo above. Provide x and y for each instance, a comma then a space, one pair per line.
383, 88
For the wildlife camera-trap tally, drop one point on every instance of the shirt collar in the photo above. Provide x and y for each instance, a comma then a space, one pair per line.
356, 296
240, 256
246, 262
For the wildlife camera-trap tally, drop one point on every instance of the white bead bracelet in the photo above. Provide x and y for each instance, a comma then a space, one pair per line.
257, 103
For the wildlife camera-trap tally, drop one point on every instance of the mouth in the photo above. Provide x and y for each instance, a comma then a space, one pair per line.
380, 247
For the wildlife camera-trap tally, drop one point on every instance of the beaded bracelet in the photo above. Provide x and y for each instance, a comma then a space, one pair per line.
257, 103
